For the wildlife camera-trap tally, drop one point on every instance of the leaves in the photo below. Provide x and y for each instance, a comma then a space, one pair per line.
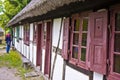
9, 8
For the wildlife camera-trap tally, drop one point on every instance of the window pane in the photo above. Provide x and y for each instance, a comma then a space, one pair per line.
83, 54
76, 25
117, 63
117, 27
85, 24
17, 32
117, 43
75, 52
75, 38
84, 39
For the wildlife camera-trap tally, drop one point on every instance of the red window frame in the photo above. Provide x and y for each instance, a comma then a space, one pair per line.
27, 34
79, 62
113, 75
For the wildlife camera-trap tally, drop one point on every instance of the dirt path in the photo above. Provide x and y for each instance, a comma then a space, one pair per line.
11, 74
8, 74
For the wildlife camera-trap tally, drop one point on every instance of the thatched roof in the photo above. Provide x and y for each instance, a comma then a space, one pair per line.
39, 7
38, 10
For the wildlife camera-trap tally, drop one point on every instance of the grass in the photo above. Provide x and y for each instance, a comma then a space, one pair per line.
13, 60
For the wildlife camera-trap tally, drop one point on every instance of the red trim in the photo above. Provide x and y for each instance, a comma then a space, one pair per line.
48, 48
66, 33
26, 34
78, 62
39, 48
112, 75
98, 52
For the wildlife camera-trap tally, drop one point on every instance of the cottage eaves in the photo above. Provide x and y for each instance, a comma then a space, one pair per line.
37, 8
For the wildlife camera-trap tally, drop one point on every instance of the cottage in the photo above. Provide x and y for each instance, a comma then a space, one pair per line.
70, 39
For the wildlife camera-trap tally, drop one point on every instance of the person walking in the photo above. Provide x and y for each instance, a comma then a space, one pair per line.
8, 42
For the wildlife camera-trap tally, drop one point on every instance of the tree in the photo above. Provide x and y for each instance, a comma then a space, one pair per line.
9, 8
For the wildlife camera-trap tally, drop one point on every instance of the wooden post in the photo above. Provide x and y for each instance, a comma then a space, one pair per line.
90, 75
64, 70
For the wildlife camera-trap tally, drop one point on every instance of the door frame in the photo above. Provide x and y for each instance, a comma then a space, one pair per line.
48, 48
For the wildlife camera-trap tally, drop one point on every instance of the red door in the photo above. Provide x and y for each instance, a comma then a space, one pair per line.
48, 48
98, 41
39, 48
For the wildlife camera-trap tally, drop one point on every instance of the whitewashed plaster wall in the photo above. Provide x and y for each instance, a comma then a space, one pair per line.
72, 74
56, 30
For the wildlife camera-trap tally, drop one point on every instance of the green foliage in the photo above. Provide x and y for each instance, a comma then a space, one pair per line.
13, 60
9, 8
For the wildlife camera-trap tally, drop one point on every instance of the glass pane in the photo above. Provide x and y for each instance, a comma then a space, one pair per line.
75, 52
117, 27
75, 38
117, 43
76, 25
85, 24
17, 32
84, 39
117, 63
83, 54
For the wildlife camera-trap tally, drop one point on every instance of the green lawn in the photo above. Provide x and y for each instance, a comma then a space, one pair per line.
13, 60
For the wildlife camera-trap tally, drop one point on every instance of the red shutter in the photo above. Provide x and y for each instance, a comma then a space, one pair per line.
48, 49
39, 48
65, 38
98, 44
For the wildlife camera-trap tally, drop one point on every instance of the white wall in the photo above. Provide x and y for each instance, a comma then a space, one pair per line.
97, 76
56, 30
72, 74
58, 67
28, 51
31, 43
34, 54
55, 36
59, 61
22, 36
43, 60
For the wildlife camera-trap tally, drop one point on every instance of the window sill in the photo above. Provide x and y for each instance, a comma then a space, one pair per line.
26, 43
82, 65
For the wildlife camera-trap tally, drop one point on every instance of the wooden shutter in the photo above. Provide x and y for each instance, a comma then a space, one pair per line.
65, 39
48, 49
98, 41
39, 47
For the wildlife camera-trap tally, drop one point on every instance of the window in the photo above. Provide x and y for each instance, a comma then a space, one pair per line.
34, 32
18, 35
116, 52
79, 40
26, 34
115, 45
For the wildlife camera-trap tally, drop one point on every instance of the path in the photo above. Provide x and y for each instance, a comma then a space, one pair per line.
6, 73
11, 74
